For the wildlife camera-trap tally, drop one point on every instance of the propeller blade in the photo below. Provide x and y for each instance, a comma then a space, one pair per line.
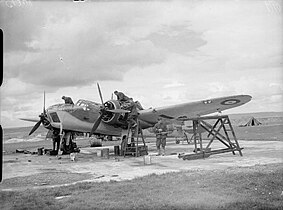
44, 112
100, 94
118, 111
35, 127
96, 124
30, 120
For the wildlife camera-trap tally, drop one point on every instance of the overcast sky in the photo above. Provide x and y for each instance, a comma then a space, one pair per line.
160, 53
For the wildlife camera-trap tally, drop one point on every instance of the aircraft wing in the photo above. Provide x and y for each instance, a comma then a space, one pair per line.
193, 109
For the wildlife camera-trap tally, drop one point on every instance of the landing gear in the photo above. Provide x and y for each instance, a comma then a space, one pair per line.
67, 143
56, 143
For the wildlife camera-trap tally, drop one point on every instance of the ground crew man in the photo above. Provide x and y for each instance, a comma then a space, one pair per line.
121, 97
139, 106
68, 100
160, 130
133, 115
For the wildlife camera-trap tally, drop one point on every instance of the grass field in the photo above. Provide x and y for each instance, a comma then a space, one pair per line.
258, 187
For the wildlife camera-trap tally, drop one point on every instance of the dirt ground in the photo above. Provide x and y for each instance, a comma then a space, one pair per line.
21, 171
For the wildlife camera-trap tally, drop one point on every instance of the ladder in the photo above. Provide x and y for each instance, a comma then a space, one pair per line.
134, 148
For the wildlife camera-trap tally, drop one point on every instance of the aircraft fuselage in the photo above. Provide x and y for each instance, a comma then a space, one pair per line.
81, 116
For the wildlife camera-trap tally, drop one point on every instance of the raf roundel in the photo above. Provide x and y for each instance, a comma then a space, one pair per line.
230, 102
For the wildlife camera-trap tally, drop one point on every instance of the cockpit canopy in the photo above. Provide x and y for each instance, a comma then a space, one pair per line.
88, 105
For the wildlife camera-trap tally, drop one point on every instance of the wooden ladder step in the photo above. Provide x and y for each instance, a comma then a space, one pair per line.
135, 147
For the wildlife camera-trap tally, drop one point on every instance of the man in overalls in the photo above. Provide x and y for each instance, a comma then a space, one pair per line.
68, 100
160, 130
121, 97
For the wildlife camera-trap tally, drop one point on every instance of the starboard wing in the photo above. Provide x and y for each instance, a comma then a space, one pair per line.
193, 109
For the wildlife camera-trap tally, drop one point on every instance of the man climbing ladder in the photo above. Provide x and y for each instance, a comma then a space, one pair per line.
134, 147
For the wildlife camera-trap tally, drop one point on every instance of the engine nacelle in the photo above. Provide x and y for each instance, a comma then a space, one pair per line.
111, 117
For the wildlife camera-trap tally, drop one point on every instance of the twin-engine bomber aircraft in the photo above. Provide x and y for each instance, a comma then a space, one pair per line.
109, 119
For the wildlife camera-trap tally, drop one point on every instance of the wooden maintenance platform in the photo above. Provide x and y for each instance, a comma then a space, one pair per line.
221, 130
136, 147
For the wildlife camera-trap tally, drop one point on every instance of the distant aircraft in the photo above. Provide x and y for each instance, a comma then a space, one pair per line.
109, 119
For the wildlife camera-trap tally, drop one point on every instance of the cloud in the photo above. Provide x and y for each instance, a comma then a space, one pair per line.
92, 46
174, 85
239, 35
177, 39
19, 99
160, 53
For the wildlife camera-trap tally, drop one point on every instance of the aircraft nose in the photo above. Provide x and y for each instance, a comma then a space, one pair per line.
54, 116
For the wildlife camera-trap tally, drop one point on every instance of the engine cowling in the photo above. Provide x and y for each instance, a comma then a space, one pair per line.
111, 117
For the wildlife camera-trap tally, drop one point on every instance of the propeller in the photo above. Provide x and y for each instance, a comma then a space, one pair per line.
35, 127
96, 124
42, 117
103, 111
100, 94
44, 111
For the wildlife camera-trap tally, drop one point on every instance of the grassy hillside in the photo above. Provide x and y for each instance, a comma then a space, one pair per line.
257, 114
22, 132
266, 118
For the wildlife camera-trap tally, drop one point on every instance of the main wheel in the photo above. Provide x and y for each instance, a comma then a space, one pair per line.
67, 149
